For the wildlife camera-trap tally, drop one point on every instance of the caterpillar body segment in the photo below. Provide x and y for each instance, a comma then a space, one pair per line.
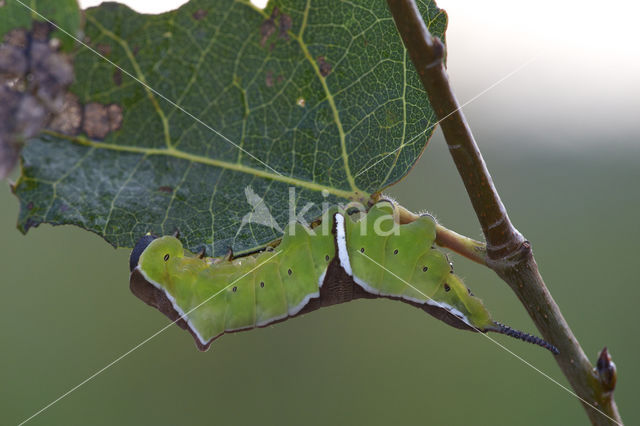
215, 297
400, 261
373, 256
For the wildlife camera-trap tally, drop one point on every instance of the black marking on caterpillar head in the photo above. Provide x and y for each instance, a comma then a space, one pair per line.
141, 245
166, 257
447, 287
504, 329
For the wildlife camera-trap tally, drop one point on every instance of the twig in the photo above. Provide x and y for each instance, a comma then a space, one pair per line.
508, 252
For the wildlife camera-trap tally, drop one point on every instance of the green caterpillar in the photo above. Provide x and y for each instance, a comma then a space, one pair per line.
366, 258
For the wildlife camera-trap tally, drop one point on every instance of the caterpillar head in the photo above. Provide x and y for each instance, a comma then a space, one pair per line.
154, 252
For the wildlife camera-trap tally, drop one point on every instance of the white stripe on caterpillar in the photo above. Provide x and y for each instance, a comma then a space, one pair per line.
341, 239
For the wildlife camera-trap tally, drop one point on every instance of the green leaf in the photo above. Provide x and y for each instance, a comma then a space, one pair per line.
306, 95
65, 13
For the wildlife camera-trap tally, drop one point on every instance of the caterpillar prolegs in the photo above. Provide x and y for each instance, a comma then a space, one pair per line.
367, 257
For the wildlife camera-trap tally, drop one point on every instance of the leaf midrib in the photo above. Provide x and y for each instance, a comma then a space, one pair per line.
176, 153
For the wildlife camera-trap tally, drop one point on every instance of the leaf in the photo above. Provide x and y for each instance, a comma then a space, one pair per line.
238, 106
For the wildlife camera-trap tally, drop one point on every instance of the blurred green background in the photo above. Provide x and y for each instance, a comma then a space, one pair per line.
565, 160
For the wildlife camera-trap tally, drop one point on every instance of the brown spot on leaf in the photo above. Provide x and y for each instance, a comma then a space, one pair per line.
13, 60
285, 25
167, 189
10, 140
51, 72
99, 119
104, 49
40, 30
17, 37
13, 55
268, 79
325, 67
96, 120
69, 120
199, 14
34, 78
115, 117
117, 77
267, 28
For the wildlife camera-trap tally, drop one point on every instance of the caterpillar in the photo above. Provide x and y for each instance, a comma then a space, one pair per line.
367, 257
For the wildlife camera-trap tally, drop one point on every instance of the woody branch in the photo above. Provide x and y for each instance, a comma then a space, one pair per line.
508, 253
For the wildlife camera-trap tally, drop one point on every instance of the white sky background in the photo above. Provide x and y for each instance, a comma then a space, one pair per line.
585, 80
